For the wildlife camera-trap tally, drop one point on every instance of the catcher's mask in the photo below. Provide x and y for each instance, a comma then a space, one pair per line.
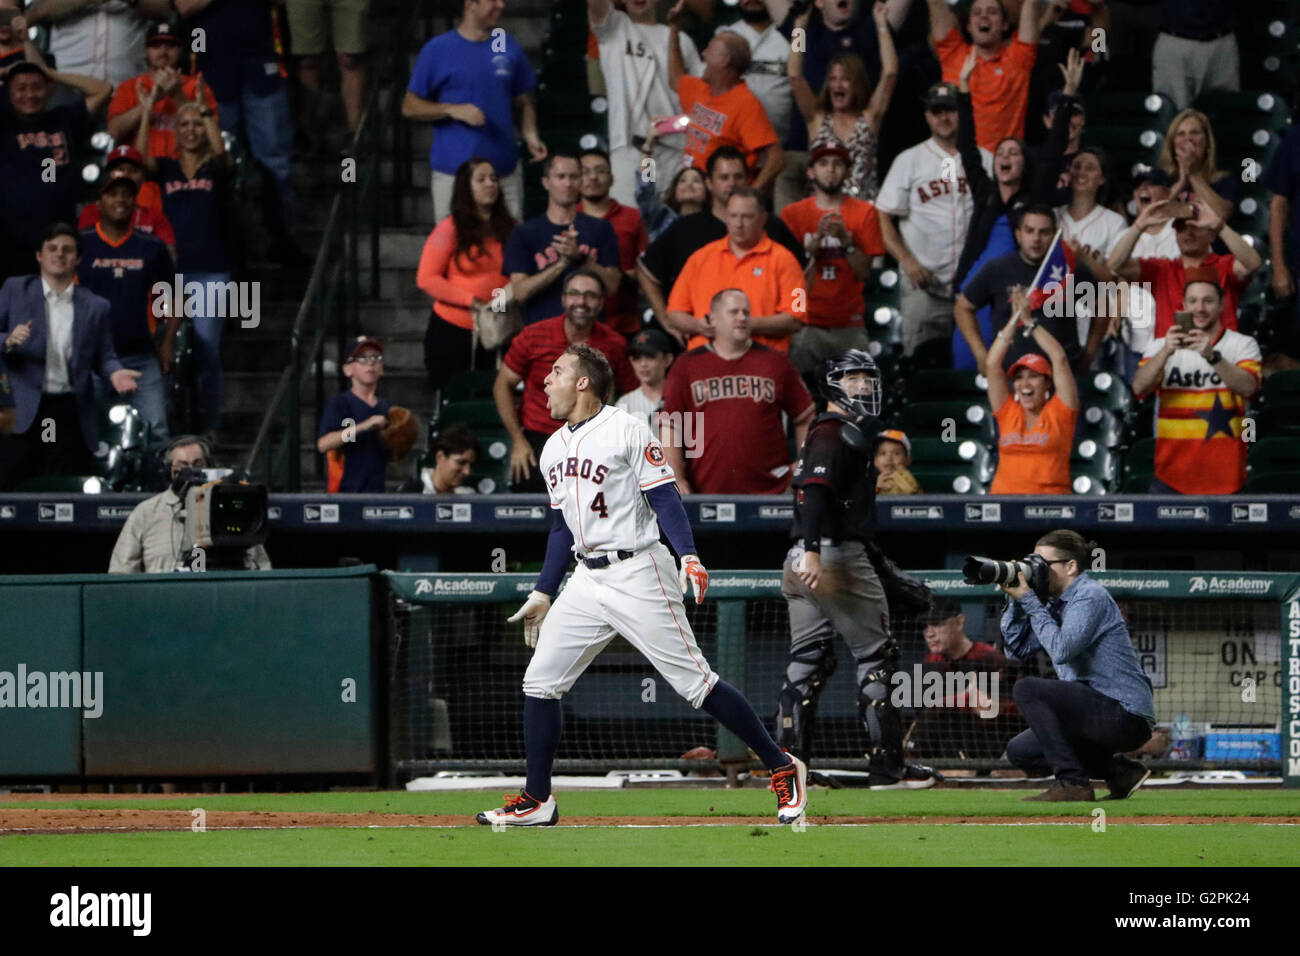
865, 402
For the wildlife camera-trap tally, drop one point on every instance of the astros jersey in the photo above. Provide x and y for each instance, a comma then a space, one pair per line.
1198, 419
597, 473
926, 189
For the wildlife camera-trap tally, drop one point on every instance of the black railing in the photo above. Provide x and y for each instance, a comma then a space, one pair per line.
331, 305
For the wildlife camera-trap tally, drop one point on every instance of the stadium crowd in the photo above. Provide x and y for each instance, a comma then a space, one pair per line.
779, 181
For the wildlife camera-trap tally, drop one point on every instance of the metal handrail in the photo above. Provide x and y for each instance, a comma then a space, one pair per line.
340, 248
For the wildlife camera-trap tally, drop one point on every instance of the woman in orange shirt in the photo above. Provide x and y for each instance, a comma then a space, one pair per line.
460, 267
1035, 406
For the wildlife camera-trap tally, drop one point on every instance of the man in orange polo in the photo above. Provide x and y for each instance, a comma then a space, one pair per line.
723, 111
745, 259
999, 87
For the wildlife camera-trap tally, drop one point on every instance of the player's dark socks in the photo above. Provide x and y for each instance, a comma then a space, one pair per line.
729, 708
543, 720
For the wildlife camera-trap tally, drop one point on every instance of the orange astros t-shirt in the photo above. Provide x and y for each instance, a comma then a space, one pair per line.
835, 299
999, 88
736, 118
768, 274
1034, 462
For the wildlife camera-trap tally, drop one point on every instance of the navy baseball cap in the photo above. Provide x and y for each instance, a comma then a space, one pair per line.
941, 610
161, 32
1153, 175
355, 346
1055, 97
941, 96
649, 342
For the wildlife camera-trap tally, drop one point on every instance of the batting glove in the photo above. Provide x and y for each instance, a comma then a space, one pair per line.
693, 572
532, 612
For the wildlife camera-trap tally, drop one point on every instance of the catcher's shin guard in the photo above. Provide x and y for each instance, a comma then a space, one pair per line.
806, 673
880, 718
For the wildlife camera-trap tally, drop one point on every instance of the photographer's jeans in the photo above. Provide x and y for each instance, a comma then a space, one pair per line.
1073, 730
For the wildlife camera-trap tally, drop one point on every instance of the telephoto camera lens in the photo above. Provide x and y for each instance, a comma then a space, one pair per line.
979, 570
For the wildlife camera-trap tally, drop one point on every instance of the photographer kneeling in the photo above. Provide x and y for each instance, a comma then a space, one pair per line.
1101, 706
151, 540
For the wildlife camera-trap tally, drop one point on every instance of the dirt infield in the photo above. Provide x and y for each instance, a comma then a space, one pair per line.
47, 820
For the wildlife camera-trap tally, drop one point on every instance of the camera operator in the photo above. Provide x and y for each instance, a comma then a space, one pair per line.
1101, 706
151, 540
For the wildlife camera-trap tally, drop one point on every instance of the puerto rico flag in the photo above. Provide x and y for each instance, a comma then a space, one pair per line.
1057, 264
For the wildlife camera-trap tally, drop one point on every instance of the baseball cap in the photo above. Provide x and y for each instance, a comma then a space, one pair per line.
941, 610
354, 347
894, 434
1032, 361
941, 96
830, 148
1153, 175
108, 178
123, 154
649, 342
160, 31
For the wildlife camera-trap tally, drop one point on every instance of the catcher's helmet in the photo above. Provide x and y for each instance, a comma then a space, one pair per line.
860, 405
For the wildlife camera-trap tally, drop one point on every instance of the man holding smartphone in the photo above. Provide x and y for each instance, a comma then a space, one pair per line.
1203, 375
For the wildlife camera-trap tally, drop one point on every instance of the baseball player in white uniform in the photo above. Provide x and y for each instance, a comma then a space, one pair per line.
926, 191
634, 61
610, 487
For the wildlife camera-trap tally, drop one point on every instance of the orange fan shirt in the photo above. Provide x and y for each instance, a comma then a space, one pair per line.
1037, 461
999, 88
735, 118
768, 274
162, 134
835, 299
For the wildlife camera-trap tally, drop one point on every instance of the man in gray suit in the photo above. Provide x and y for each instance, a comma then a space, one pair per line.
54, 335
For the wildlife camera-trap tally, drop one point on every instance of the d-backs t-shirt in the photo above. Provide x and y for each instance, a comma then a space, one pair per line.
528, 250
124, 273
489, 74
364, 458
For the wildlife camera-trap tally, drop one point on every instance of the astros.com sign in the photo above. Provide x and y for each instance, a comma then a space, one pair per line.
1214, 585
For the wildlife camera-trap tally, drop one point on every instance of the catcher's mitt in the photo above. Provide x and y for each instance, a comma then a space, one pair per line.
400, 434
899, 482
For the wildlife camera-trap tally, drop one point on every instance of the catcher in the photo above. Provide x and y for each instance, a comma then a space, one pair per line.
837, 582
359, 431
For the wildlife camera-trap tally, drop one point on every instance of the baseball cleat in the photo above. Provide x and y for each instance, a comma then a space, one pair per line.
915, 777
790, 784
522, 811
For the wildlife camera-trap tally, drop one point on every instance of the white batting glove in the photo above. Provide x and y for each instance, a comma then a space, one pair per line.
693, 572
532, 612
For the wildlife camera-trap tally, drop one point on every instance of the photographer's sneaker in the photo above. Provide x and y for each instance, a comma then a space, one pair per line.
1124, 776
915, 777
790, 784
522, 811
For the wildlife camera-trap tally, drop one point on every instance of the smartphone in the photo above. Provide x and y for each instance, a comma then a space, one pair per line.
1178, 209
1183, 320
672, 124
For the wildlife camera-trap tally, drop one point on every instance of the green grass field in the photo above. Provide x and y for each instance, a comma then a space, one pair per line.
1228, 841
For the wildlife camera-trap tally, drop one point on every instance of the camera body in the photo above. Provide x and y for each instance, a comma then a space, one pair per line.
981, 570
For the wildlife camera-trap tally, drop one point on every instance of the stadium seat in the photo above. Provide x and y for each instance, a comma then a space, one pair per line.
948, 384
960, 478
477, 413
935, 452
470, 384
1140, 460
1136, 482
1273, 454
1281, 388
1277, 420
491, 474
1230, 107
1107, 391
1104, 427
1272, 483
1131, 108
930, 419
1093, 468
1140, 143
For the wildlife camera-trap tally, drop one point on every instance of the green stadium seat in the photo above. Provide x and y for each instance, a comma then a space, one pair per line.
491, 474
1131, 108
1273, 454
1272, 483
1233, 107
1141, 142
1107, 391
1277, 420
934, 452
477, 413
1141, 458
469, 384
1281, 387
1093, 468
931, 419
1136, 482
955, 479
1104, 427
945, 385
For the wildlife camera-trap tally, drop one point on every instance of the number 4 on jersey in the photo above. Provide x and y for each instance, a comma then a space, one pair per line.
598, 505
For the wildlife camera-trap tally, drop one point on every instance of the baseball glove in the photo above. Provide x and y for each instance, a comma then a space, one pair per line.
400, 434
900, 482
